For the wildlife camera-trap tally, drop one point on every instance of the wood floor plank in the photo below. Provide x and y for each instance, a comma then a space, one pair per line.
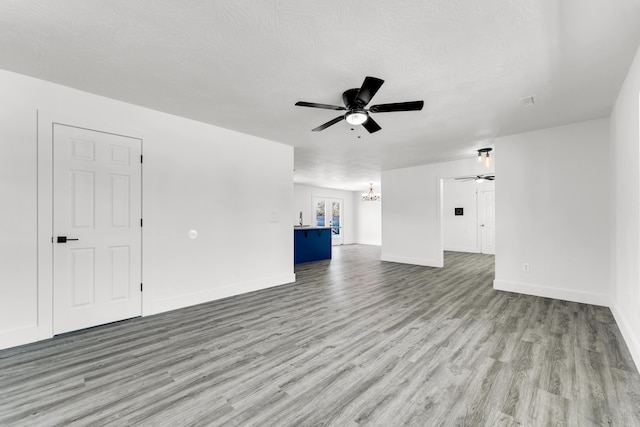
596, 395
627, 385
354, 342
480, 396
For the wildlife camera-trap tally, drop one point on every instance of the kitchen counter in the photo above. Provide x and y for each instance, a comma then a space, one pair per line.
309, 227
311, 244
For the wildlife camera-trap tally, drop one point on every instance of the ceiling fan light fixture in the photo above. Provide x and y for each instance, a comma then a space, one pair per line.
356, 117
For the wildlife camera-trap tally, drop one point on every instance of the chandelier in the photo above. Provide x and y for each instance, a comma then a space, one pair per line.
370, 196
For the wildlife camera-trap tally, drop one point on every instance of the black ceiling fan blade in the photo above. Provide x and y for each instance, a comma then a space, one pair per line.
476, 178
371, 125
397, 106
368, 89
329, 123
315, 105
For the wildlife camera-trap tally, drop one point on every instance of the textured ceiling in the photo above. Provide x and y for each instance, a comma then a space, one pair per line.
243, 64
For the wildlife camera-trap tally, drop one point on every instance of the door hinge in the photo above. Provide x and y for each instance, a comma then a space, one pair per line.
140, 158
140, 222
140, 287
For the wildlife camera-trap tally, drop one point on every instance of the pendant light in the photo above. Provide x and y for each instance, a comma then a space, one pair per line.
485, 157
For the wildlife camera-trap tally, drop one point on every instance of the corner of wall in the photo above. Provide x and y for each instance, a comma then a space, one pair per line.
625, 195
628, 334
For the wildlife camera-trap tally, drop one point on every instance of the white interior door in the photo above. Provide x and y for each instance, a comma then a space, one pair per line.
487, 221
327, 212
96, 200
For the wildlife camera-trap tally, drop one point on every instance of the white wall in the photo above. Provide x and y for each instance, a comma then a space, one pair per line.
411, 231
303, 202
368, 221
412, 210
460, 233
552, 213
625, 192
235, 189
18, 221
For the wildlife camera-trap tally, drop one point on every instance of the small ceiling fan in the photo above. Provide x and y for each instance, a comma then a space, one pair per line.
477, 178
355, 101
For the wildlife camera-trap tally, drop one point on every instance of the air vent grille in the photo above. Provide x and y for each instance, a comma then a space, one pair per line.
528, 101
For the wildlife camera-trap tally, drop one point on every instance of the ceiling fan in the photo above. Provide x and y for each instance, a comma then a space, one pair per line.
355, 101
477, 178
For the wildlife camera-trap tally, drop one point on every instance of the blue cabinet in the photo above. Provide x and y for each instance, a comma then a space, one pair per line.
311, 244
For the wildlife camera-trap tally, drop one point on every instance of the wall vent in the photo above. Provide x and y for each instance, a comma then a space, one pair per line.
528, 101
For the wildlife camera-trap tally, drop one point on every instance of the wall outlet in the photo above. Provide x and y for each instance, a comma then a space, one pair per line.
525, 267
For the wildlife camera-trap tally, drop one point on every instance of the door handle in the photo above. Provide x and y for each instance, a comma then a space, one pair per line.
63, 239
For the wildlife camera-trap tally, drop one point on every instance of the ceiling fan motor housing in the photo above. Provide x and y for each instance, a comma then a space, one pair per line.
349, 98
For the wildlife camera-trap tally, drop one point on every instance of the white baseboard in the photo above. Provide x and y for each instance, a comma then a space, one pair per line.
630, 338
414, 261
16, 337
557, 293
187, 300
459, 249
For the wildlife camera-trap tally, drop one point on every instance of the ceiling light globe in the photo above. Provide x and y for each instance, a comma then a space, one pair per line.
356, 117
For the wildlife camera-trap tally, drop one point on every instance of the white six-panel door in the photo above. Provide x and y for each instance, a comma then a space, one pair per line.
96, 200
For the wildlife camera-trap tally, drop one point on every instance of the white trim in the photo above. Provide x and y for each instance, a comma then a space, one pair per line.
468, 250
16, 337
415, 261
439, 222
627, 334
191, 299
592, 298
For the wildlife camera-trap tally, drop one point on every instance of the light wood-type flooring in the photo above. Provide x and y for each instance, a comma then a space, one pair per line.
355, 341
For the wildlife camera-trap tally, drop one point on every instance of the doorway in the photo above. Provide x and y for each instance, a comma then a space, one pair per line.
468, 216
97, 230
327, 212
